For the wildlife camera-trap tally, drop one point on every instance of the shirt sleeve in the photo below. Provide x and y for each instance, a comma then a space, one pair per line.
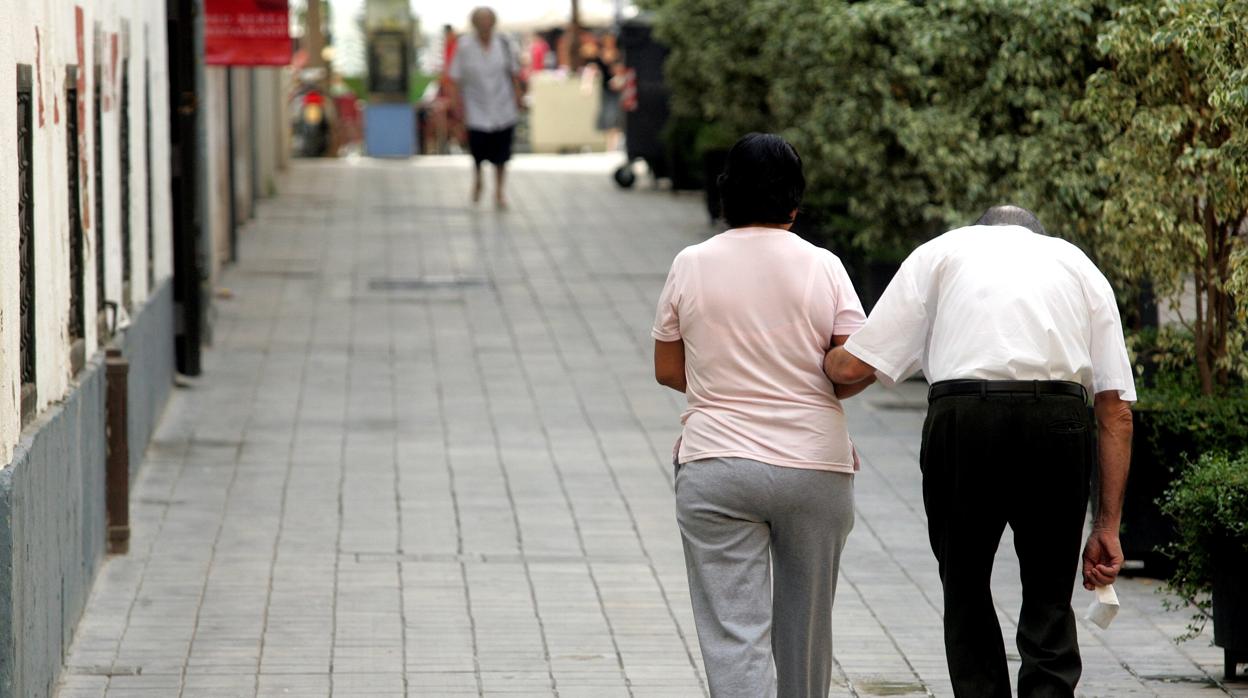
667, 316
848, 316
894, 336
1111, 365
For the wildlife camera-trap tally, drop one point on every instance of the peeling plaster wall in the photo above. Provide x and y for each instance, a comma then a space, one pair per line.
45, 35
52, 521
9, 284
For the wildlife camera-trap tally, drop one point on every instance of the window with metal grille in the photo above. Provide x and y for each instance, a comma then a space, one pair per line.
77, 274
124, 144
147, 164
26, 238
97, 114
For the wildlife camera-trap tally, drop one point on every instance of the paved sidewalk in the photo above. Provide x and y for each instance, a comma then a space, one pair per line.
428, 458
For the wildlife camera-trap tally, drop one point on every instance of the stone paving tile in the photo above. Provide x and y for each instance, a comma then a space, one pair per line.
428, 458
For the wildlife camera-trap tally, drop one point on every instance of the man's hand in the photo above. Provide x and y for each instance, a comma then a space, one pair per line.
1102, 558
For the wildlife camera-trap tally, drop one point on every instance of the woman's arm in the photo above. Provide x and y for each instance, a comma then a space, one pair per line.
669, 364
845, 391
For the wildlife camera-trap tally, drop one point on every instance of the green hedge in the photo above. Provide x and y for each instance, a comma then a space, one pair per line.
910, 117
1123, 125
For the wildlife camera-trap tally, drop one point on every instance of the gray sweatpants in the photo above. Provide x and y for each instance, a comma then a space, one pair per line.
742, 520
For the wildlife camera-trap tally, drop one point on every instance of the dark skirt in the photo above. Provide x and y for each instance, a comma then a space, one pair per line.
491, 146
610, 115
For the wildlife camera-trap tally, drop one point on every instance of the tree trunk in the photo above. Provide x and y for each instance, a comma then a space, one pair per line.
1201, 331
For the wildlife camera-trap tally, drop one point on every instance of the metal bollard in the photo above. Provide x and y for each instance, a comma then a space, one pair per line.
117, 485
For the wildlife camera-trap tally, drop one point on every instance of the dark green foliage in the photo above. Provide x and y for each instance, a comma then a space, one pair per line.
1209, 505
1123, 125
911, 117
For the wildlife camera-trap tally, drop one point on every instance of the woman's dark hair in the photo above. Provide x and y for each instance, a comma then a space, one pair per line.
762, 181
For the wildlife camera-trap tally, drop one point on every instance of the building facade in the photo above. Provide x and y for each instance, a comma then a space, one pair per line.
90, 229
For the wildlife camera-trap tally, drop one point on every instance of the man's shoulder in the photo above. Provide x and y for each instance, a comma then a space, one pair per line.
1075, 257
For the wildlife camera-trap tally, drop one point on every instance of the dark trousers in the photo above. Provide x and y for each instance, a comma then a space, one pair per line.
1023, 460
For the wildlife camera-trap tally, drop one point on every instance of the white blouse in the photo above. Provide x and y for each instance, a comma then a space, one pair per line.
485, 80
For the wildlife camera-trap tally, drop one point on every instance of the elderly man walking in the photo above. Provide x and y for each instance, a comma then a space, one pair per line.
1013, 328
485, 77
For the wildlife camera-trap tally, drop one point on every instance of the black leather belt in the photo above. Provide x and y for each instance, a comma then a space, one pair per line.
983, 387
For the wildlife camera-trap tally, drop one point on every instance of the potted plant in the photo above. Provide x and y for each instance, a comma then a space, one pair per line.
1174, 422
1173, 211
1209, 506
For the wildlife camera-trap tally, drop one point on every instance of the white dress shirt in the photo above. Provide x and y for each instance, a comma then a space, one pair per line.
998, 303
484, 78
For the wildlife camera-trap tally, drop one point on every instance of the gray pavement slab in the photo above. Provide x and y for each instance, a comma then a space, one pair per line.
428, 458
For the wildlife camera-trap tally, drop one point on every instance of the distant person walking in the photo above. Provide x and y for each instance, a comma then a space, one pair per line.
764, 464
605, 60
485, 80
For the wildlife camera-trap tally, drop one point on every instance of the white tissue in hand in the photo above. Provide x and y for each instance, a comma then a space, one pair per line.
1103, 607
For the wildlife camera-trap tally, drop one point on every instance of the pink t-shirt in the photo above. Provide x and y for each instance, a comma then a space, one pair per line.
757, 309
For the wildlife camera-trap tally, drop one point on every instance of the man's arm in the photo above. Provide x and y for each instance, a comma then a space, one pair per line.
669, 364
1102, 556
843, 368
845, 391
517, 87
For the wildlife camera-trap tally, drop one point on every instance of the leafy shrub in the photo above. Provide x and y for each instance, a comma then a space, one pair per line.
1173, 102
911, 117
1177, 420
921, 115
1123, 125
1209, 505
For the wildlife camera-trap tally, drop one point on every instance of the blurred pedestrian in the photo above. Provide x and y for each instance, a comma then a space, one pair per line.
539, 53
764, 465
446, 115
485, 79
603, 58
1014, 329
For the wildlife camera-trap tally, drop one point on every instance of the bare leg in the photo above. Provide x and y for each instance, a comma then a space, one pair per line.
476, 183
500, 174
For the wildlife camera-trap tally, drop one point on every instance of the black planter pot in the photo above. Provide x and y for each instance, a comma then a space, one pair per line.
1145, 530
1230, 605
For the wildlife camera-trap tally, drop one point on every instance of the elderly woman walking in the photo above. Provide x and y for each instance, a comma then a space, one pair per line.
764, 465
485, 81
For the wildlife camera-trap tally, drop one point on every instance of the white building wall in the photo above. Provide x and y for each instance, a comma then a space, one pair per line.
9, 284
217, 163
43, 34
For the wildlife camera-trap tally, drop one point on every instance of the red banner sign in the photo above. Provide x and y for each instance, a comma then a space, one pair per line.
246, 32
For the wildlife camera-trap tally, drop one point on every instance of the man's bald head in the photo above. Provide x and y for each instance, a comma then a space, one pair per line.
1009, 214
